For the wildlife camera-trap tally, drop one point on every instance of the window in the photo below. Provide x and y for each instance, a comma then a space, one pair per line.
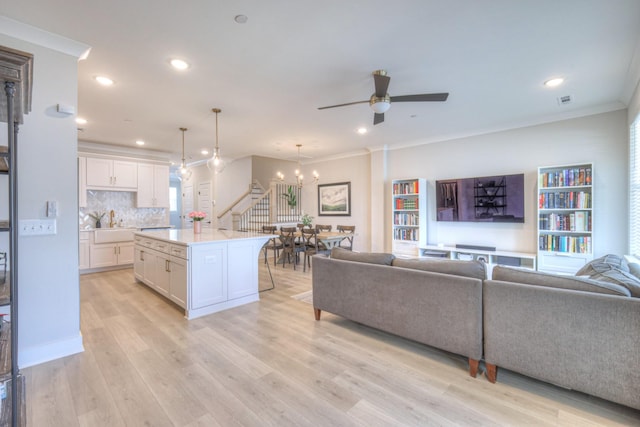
634, 188
173, 199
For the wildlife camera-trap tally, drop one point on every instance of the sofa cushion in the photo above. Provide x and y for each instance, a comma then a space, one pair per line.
530, 277
473, 269
621, 278
634, 268
602, 264
366, 257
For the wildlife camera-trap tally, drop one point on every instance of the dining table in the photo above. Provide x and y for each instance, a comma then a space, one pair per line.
330, 239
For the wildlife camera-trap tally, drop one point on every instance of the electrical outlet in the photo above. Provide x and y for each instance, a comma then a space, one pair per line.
37, 227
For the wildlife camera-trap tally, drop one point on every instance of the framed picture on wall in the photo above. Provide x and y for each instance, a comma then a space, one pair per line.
334, 199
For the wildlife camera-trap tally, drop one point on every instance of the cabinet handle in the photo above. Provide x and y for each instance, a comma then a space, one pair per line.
141, 255
115, 250
166, 266
118, 250
115, 178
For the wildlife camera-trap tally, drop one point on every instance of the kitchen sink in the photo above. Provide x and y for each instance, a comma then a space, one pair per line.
109, 235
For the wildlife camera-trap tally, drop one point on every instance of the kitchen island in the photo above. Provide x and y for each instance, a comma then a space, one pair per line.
202, 273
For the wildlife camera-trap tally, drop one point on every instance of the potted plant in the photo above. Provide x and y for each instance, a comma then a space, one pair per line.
290, 197
307, 220
97, 217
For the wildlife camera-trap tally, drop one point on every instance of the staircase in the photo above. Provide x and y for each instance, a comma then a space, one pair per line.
258, 207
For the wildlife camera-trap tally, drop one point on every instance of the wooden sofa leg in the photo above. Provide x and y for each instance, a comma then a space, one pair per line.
492, 371
473, 367
317, 312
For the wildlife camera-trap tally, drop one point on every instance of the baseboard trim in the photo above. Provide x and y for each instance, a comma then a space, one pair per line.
50, 351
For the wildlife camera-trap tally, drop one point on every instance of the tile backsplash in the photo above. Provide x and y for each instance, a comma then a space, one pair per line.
123, 203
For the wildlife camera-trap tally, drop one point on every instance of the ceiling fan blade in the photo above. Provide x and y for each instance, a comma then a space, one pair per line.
378, 118
421, 98
343, 105
381, 84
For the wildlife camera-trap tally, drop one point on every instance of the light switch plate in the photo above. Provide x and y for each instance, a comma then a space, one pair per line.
37, 227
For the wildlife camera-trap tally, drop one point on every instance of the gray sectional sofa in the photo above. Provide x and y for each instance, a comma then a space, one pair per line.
575, 332
438, 303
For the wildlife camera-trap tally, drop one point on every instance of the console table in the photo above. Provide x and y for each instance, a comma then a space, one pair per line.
516, 259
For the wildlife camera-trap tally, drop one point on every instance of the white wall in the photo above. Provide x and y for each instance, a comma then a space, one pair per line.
601, 139
49, 297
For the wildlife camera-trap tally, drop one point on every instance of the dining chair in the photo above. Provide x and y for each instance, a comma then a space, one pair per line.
312, 246
347, 229
291, 248
320, 228
272, 244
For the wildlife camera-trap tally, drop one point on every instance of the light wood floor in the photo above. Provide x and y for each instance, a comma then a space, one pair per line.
271, 364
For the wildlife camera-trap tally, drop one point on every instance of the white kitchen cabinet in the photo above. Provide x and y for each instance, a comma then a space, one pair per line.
178, 282
153, 186
110, 254
162, 274
83, 250
138, 263
110, 174
82, 182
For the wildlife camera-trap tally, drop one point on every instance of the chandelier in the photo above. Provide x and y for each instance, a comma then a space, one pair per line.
183, 173
299, 176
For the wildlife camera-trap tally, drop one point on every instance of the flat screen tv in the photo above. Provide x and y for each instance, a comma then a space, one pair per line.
497, 198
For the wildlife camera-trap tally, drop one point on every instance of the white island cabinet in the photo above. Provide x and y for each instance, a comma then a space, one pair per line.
202, 273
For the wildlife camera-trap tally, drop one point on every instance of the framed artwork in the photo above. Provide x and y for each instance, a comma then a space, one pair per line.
334, 199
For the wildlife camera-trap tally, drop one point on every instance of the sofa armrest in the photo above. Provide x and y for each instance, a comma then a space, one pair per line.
580, 340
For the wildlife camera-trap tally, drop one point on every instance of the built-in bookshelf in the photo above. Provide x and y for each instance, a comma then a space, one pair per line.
565, 217
409, 225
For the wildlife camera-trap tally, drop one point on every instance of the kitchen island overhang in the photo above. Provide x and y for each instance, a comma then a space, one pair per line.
202, 273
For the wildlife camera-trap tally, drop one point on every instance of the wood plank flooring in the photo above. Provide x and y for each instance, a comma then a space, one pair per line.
271, 364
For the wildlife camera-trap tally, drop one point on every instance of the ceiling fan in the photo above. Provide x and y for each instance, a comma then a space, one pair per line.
380, 101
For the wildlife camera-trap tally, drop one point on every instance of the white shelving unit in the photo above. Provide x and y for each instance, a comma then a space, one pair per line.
490, 257
409, 216
565, 217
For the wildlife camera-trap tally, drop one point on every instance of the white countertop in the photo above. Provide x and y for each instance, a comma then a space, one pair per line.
186, 236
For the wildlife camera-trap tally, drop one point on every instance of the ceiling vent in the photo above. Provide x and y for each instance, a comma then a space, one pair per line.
564, 100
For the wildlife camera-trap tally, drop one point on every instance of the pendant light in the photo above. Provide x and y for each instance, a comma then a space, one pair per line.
183, 173
215, 162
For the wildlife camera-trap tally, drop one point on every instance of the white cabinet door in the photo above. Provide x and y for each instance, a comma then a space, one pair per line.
83, 255
125, 174
138, 263
242, 269
162, 274
150, 268
161, 185
208, 275
103, 255
125, 253
178, 282
82, 182
145, 194
153, 186
99, 172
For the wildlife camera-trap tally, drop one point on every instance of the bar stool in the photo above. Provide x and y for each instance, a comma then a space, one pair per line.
272, 244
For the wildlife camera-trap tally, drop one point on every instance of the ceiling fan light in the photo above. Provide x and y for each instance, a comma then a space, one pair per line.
380, 105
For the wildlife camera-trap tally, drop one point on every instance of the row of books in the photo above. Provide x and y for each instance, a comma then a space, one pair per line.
407, 203
567, 244
565, 200
405, 234
406, 219
575, 221
406, 187
569, 177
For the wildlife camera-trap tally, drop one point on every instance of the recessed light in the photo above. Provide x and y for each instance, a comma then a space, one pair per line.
204, 152
81, 121
179, 64
104, 81
241, 19
556, 81
139, 142
362, 131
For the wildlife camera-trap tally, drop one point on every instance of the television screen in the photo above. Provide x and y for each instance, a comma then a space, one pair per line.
497, 198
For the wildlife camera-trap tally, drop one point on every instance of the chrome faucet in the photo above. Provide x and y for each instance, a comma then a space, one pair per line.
112, 214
